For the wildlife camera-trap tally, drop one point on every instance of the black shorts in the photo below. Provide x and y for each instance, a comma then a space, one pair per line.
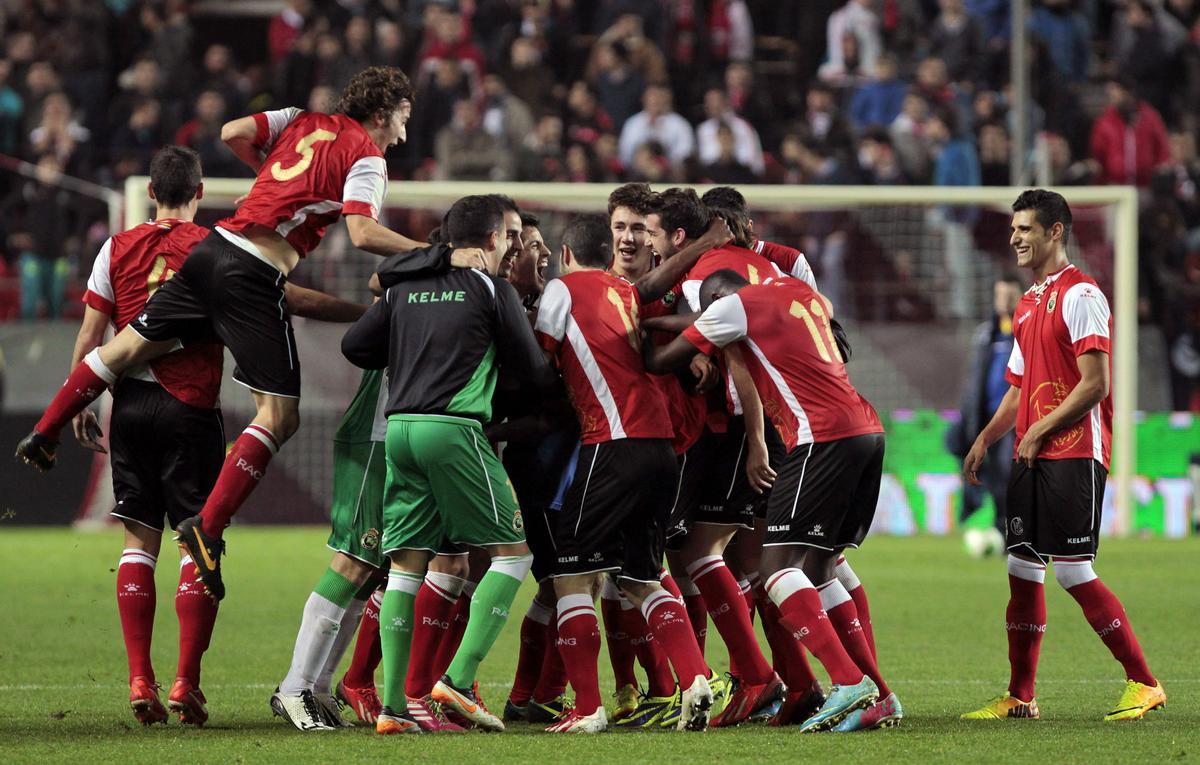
165, 454
726, 498
539, 535
615, 512
694, 466
825, 494
1054, 508
446, 547
221, 289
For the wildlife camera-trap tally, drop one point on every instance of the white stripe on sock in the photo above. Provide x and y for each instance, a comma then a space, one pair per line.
786, 583
101, 370
1027, 570
447, 586
138, 556
833, 593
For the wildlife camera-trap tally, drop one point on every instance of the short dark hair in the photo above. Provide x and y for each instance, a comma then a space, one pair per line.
590, 241
725, 280
1049, 207
175, 175
636, 196
506, 202
724, 196
739, 225
471, 219
682, 208
374, 90
529, 219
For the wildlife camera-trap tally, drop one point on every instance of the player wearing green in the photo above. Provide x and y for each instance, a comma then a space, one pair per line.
442, 338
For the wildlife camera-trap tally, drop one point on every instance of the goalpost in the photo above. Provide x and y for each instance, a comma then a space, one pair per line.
1118, 218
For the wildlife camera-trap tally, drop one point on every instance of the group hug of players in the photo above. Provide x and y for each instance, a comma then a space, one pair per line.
678, 392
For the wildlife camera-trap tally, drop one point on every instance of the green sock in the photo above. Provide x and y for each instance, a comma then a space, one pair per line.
489, 611
395, 635
336, 588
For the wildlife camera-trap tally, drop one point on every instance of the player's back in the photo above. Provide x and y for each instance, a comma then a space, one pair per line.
748, 264
312, 161
789, 260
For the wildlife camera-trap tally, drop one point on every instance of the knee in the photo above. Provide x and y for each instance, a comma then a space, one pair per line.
453, 565
281, 417
1072, 573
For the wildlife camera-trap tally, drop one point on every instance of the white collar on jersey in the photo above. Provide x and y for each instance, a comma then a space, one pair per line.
1038, 289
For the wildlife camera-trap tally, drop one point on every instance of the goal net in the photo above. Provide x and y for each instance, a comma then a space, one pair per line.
910, 271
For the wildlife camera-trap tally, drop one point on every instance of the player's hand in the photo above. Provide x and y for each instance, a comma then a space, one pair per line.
468, 257
705, 372
1031, 444
87, 431
758, 469
973, 461
718, 232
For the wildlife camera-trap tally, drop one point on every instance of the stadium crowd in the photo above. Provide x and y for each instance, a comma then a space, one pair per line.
723, 91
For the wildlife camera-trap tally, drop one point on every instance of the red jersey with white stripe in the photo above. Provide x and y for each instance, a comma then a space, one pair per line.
1055, 323
789, 260
589, 321
130, 267
791, 354
318, 167
750, 265
687, 411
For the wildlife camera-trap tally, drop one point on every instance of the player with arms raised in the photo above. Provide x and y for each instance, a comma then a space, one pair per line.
1061, 404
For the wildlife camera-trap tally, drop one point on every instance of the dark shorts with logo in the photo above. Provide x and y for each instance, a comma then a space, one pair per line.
165, 454
694, 467
825, 494
1054, 508
615, 511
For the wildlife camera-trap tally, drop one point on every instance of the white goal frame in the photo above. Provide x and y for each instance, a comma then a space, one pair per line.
594, 196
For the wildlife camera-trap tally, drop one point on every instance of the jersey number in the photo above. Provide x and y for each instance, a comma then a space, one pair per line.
158, 275
629, 319
806, 315
304, 147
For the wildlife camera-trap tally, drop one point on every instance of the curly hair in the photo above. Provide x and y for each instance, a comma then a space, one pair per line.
636, 196
374, 90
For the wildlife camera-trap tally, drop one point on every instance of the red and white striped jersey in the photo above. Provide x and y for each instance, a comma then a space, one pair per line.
589, 321
1056, 322
752, 267
792, 356
791, 261
318, 167
130, 267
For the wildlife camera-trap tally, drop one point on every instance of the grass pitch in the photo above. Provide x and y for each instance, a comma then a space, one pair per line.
937, 618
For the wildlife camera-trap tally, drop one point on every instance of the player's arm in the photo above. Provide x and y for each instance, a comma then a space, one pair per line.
519, 349
1087, 394
241, 137
1004, 420
723, 323
370, 235
659, 281
430, 260
313, 304
672, 323
90, 337
758, 463
367, 343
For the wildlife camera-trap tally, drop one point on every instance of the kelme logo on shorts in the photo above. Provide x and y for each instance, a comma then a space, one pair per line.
370, 540
1017, 526
518, 521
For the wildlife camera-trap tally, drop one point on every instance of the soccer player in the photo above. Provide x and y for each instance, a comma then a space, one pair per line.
312, 168
614, 512
442, 338
789, 260
1061, 404
784, 361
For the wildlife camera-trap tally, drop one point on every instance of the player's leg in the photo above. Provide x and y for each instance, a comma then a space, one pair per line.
621, 653
135, 603
467, 566
395, 632
536, 633
693, 601
579, 644
357, 687
438, 606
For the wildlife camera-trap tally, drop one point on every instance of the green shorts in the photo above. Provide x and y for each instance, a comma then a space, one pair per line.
356, 515
445, 482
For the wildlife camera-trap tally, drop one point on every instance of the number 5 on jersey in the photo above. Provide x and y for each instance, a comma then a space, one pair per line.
304, 147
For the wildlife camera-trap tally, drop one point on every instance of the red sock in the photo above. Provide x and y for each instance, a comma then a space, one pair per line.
789, 658
668, 618
747, 595
367, 651
844, 618
437, 599
552, 681
697, 611
801, 615
532, 654
620, 643
197, 614
579, 644
850, 581
659, 680
1103, 610
83, 386
244, 467
458, 625
669, 584
727, 607
135, 603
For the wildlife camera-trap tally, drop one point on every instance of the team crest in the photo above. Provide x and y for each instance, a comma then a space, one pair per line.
370, 540
1051, 303
518, 521
669, 298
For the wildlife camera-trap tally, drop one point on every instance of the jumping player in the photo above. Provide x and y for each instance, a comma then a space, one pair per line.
1061, 404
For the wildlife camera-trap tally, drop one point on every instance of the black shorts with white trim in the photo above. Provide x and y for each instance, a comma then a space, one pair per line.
1055, 507
825, 494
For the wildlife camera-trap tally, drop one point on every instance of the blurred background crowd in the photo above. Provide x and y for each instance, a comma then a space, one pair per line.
722, 91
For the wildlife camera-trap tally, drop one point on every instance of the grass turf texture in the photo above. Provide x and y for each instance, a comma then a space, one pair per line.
937, 617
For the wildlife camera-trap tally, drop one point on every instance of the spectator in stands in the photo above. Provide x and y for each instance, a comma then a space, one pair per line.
746, 147
41, 80
643, 55
933, 82
436, 94
650, 164
618, 86
134, 143
909, 139
1065, 34
857, 20
580, 165
60, 134
322, 99
956, 162
1183, 174
878, 101
730, 31
994, 150
727, 167
658, 122
505, 117
389, 47
12, 110
38, 217
541, 155
466, 152
528, 77
752, 103
585, 120
286, 28
333, 67
359, 53
1146, 55
138, 83
449, 38
957, 39
219, 74
878, 159
822, 120
1129, 140
203, 133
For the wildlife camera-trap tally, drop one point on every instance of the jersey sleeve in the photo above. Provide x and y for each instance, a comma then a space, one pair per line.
553, 311
724, 322
271, 124
519, 351
691, 293
366, 343
1015, 372
1086, 313
365, 186
99, 294
426, 261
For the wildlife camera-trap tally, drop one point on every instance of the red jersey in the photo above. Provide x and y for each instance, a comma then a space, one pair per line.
793, 358
752, 267
131, 266
686, 410
589, 321
789, 260
318, 167
1056, 321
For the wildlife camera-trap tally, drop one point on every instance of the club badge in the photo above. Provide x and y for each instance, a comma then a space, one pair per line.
518, 521
1053, 300
370, 540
